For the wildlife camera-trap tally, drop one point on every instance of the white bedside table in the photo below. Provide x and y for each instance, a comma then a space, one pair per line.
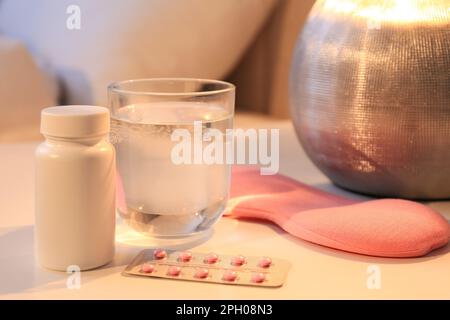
316, 273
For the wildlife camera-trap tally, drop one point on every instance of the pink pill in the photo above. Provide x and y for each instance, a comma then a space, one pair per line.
185, 256
238, 261
174, 271
147, 268
201, 273
229, 275
159, 254
265, 262
211, 258
258, 277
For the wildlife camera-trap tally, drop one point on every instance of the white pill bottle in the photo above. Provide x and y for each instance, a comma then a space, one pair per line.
75, 189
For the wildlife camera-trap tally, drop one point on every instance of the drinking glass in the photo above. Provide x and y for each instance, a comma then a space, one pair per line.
173, 178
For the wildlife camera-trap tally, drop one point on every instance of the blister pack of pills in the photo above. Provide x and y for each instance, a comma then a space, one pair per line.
209, 267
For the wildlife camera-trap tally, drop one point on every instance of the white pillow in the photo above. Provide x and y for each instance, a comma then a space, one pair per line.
121, 39
24, 91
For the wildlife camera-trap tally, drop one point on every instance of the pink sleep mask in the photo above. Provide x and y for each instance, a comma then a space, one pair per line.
384, 228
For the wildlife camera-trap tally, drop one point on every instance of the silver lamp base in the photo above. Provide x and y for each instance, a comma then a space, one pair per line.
370, 95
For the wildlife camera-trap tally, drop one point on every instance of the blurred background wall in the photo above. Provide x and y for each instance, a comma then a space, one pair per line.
263, 73
44, 62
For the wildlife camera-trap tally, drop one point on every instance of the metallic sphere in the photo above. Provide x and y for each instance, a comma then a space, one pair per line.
370, 95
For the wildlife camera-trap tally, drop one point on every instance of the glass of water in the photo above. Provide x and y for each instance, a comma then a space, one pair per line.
171, 138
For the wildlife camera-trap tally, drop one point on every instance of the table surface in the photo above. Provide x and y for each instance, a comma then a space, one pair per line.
317, 272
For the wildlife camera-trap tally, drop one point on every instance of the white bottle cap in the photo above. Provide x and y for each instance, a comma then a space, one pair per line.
75, 121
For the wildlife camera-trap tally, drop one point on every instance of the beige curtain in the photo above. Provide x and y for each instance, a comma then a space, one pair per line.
263, 74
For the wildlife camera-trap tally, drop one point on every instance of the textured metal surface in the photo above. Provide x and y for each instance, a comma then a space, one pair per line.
370, 95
